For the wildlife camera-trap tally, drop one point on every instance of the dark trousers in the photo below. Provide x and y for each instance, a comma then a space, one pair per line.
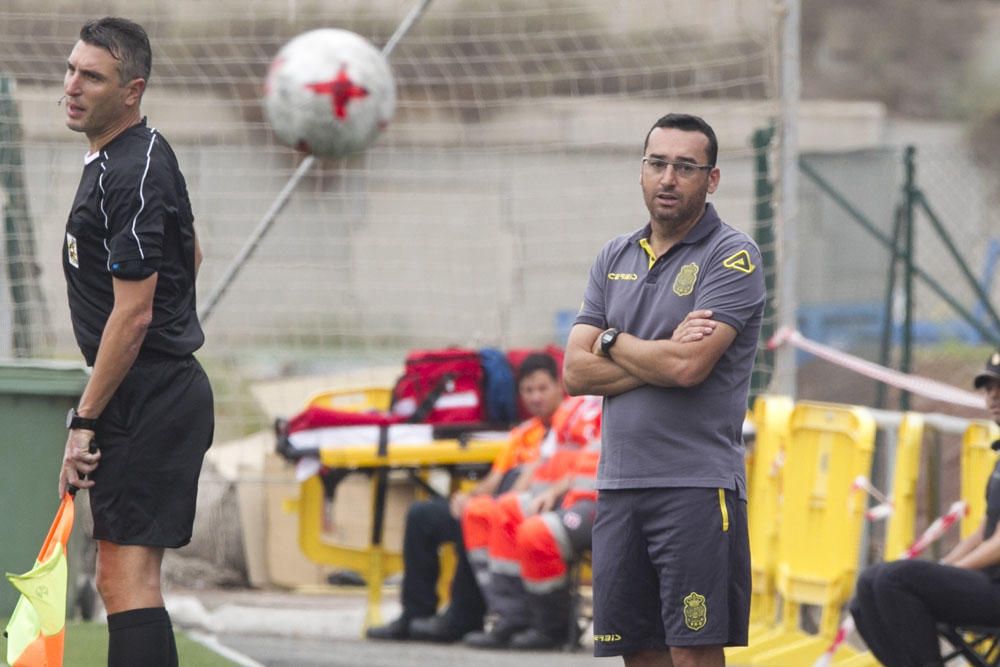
897, 606
429, 524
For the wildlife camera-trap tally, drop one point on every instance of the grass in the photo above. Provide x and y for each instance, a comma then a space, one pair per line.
87, 646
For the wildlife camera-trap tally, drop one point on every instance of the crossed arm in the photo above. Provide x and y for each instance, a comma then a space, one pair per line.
683, 361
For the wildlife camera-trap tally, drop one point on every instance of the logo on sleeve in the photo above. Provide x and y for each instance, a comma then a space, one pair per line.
739, 262
71, 251
686, 277
695, 611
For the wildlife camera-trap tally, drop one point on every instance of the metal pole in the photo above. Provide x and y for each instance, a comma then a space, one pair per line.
764, 235
255, 238
784, 375
909, 192
208, 306
888, 324
404, 27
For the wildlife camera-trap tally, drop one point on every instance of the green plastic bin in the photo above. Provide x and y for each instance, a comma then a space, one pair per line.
34, 399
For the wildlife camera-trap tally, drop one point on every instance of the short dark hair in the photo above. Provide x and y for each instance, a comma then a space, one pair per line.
688, 123
537, 361
126, 41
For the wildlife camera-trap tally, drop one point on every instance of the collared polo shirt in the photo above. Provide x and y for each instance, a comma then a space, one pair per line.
676, 436
131, 218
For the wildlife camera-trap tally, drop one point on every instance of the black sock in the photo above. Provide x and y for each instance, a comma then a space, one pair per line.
141, 637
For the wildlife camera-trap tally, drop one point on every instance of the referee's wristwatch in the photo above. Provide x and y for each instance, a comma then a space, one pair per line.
608, 339
75, 421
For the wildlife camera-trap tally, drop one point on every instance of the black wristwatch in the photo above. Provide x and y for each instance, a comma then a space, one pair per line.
75, 421
608, 339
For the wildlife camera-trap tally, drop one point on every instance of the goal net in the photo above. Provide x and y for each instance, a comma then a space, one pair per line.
513, 156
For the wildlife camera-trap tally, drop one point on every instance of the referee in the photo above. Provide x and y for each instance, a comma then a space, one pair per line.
141, 428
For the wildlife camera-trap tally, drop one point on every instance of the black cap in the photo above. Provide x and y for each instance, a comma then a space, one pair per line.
992, 370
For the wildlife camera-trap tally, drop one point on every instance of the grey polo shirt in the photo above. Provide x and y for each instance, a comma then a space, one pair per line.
669, 437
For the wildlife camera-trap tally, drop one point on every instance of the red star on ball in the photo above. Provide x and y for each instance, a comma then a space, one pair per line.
341, 91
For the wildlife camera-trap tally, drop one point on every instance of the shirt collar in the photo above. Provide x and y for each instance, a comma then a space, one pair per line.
708, 223
90, 157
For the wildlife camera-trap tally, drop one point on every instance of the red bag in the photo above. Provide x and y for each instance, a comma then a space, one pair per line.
454, 375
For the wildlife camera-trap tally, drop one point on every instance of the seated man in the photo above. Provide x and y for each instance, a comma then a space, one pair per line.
546, 545
898, 605
530, 600
433, 522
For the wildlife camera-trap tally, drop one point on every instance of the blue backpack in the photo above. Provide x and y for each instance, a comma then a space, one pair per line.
499, 387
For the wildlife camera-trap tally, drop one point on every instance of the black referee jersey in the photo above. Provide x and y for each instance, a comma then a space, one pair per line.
131, 218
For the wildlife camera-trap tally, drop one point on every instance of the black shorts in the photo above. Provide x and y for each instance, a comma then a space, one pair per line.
153, 436
671, 568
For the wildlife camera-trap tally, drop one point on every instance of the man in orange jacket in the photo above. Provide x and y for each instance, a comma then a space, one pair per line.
431, 523
546, 545
519, 547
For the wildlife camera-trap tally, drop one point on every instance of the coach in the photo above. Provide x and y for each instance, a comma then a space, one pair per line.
670, 551
145, 419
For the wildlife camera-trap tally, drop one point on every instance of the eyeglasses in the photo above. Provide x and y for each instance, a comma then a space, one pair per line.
683, 169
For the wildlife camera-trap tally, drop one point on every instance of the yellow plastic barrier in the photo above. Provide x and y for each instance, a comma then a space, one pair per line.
770, 418
830, 445
899, 533
977, 464
901, 528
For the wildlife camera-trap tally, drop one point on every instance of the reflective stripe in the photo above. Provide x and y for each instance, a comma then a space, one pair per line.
142, 197
547, 585
559, 533
478, 556
511, 568
581, 483
461, 399
725, 512
524, 501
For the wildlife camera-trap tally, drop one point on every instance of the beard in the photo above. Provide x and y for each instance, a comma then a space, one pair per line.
686, 211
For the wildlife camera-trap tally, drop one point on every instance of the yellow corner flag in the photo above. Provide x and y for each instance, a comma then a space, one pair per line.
35, 630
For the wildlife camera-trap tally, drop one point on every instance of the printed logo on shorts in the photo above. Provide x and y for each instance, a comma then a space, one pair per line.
71, 251
695, 611
684, 282
607, 639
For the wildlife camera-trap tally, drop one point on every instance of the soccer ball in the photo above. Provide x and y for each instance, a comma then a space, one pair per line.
329, 92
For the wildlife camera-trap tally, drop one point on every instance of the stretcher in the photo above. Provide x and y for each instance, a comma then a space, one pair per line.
326, 456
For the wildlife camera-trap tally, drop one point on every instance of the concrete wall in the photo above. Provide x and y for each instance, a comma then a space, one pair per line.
484, 239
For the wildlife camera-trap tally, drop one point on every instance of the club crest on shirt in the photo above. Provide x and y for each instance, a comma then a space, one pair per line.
686, 277
695, 611
71, 252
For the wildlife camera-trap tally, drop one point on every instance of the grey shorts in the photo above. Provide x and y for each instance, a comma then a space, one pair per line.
671, 568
